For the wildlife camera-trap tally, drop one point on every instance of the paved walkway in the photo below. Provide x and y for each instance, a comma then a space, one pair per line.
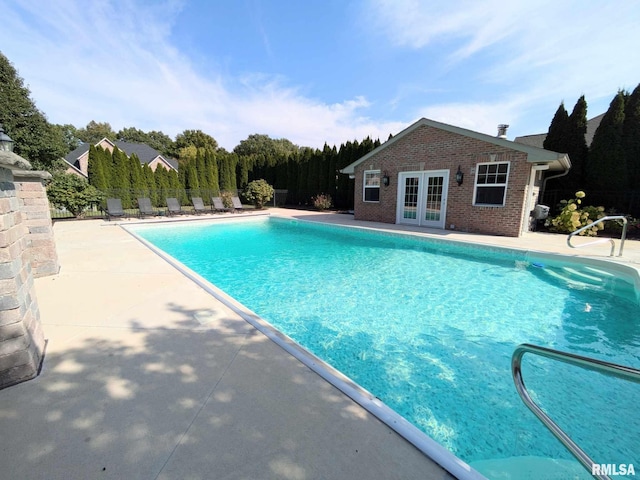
147, 376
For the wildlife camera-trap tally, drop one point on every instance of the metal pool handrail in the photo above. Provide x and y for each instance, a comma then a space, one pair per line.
611, 369
602, 240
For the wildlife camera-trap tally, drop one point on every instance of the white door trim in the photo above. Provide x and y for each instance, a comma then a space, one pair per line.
422, 177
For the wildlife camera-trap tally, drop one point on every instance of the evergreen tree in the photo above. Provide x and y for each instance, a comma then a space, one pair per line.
95, 169
556, 137
227, 173
631, 138
293, 167
233, 163
332, 172
313, 187
163, 187
243, 171
222, 166
201, 170
606, 167
303, 177
192, 185
556, 140
107, 165
138, 185
150, 184
211, 167
182, 176
575, 145
175, 189
121, 177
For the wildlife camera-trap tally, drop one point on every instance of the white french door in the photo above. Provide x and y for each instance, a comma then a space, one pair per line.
422, 198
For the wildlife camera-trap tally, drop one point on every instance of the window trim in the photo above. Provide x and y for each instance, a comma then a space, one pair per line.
505, 185
365, 187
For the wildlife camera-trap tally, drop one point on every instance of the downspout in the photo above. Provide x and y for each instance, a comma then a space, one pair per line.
544, 182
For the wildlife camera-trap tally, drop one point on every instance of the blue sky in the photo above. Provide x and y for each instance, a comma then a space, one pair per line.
317, 71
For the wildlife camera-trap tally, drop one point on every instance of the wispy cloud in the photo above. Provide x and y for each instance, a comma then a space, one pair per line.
543, 49
114, 61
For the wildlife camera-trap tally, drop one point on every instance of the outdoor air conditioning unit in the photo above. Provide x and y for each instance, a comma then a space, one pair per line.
540, 212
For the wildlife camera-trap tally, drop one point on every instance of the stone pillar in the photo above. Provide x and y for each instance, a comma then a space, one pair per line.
34, 205
21, 337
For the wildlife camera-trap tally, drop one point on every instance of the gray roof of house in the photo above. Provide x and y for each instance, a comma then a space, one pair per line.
537, 140
556, 161
145, 153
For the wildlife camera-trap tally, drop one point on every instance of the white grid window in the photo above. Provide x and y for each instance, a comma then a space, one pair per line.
491, 183
371, 186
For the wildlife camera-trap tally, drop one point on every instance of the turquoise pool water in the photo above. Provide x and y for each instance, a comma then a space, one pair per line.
429, 328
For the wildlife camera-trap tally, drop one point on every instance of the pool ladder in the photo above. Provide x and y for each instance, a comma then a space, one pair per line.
611, 369
602, 240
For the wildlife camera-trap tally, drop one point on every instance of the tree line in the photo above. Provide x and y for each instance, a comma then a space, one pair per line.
205, 172
608, 169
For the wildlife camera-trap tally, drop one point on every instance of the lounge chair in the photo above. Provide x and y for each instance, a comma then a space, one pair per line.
145, 208
173, 207
218, 206
237, 204
198, 205
114, 208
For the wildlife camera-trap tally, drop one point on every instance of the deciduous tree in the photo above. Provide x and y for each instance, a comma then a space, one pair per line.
96, 131
34, 137
69, 191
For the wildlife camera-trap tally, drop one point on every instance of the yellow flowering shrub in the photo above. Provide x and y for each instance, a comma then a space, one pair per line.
573, 216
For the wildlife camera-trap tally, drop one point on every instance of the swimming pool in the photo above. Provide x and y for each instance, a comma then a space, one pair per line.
429, 328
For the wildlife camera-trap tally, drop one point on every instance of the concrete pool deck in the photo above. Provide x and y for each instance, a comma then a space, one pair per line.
146, 375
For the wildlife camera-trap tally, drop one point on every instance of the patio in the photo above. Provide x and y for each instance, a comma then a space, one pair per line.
146, 375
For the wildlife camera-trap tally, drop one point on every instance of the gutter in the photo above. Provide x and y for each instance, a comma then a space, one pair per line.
544, 182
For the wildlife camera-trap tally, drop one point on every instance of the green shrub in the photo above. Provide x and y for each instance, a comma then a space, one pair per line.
572, 217
258, 192
69, 191
322, 201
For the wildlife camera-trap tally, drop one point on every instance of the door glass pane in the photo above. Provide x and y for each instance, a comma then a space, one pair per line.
411, 198
434, 199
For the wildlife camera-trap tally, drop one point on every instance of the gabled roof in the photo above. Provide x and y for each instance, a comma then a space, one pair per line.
537, 140
75, 154
144, 152
77, 170
556, 161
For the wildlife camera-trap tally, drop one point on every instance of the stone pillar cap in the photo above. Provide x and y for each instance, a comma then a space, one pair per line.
41, 174
13, 161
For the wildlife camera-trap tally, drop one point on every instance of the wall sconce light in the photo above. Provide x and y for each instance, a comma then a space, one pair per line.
459, 176
385, 179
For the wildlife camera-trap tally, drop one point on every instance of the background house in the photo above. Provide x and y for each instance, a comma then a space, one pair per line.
537, 139
78, 159
437, 175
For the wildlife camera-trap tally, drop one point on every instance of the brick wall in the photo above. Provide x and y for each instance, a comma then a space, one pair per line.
21, 337
34, 205
430, 148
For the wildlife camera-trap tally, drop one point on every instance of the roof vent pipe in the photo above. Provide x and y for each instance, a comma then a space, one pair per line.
502, 130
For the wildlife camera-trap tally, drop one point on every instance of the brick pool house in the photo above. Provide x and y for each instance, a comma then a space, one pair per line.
436, 175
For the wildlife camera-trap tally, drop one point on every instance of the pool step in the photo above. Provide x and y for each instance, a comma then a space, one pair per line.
575, 279
583, 276
601, 273
531, 467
